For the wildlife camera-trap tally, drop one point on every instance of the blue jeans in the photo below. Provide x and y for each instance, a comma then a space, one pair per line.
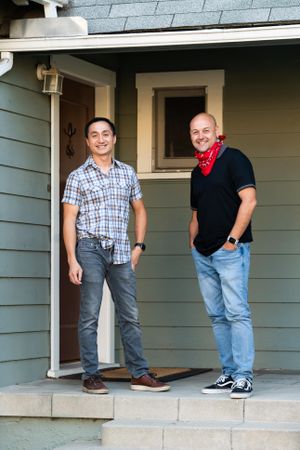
223, 281
97, 266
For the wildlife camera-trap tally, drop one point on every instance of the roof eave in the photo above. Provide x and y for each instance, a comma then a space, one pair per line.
157, 39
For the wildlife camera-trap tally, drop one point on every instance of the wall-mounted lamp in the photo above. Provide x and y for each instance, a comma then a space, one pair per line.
53, 80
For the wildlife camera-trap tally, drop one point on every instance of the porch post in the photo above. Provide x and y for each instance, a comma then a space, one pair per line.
55, 264
104, 107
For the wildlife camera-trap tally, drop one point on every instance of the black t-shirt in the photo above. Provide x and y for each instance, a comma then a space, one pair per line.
216, 200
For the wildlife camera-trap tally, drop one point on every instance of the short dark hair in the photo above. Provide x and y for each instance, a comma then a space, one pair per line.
99, 119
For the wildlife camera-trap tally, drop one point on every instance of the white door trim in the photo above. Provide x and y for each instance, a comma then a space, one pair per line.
104, 82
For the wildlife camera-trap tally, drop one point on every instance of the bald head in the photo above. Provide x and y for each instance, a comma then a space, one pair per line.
204, 116
203, 131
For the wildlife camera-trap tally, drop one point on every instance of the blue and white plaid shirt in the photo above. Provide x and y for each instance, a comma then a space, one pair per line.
103, 201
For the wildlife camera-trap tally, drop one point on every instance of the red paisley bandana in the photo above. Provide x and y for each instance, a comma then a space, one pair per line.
208, 158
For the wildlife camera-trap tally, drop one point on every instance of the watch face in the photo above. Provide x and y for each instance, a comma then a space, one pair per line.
141, 245
232, 240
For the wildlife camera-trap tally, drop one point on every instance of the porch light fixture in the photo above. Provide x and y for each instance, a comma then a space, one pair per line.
53, 80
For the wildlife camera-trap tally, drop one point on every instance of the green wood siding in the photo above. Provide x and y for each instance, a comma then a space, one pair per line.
261, 117
21, 370
24, 224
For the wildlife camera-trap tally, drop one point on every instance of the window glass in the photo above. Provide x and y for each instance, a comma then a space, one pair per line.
174, 110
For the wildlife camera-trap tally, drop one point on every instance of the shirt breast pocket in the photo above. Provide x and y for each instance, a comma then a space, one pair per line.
94, 195
121, 192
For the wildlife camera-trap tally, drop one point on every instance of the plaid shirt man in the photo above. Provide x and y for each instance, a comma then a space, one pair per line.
103, 201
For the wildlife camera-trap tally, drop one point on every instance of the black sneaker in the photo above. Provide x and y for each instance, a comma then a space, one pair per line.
241, 388
223, 384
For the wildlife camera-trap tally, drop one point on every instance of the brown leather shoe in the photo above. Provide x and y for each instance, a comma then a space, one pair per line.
94, 385
148, 383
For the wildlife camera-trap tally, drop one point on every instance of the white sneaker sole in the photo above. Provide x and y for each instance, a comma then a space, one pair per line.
215, 391
94, 391
136, 387
241, 395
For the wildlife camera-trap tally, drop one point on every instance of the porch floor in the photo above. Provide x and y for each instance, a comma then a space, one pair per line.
64, 398
182, 418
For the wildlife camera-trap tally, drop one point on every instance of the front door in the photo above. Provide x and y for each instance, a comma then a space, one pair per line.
77, 106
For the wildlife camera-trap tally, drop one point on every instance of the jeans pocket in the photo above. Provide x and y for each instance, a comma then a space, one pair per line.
237, 247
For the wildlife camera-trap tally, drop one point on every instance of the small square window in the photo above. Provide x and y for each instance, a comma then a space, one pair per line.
167, 101
174, 109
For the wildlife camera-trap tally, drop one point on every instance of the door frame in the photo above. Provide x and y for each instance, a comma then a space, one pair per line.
104, 81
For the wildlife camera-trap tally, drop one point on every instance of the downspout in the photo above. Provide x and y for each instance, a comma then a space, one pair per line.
6, 62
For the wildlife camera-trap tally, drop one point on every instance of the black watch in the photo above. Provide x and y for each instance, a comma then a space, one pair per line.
141, 245
232, 240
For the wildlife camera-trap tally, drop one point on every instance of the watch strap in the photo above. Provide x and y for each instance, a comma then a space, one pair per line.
141, 245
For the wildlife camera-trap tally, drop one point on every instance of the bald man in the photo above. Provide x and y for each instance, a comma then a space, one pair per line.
223, 199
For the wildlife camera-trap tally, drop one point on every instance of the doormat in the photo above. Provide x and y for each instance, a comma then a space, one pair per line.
161, 373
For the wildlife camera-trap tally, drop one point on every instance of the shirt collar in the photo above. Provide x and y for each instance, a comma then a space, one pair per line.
222, 150
90, 162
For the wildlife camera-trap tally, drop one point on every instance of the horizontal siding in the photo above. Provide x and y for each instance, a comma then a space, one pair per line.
15, 236
193, 314
283, 266
263, 121
24, 264
269, 145
262, 290
20, 128
23, 346
24, 182
23, 101
24, 72
285, 193
178, 358
24, 156
173, 220
24, 223
197, 338
158, 242
209, 359
24, 291
21, 319
176, 195
22, 371
15, 208
267, 169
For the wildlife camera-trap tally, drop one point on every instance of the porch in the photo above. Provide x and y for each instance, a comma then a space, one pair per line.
55, 414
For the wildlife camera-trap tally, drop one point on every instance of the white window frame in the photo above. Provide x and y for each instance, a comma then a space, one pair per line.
213, 80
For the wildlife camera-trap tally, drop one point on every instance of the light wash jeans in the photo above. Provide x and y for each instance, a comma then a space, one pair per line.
97, 266
223, 281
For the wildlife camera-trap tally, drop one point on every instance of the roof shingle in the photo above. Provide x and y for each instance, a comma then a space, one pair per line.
108, 16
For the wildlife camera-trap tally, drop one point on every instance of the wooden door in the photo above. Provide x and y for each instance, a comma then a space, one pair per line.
77, 106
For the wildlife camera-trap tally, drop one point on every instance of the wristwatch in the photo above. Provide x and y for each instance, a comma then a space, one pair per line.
141, 245
232, 240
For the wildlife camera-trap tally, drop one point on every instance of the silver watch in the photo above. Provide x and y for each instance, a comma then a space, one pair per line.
232, 240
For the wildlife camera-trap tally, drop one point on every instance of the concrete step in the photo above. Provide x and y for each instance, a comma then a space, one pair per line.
266, 436
205, 407
80, 445
146, 434
92, 445
148, 406
201, 435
